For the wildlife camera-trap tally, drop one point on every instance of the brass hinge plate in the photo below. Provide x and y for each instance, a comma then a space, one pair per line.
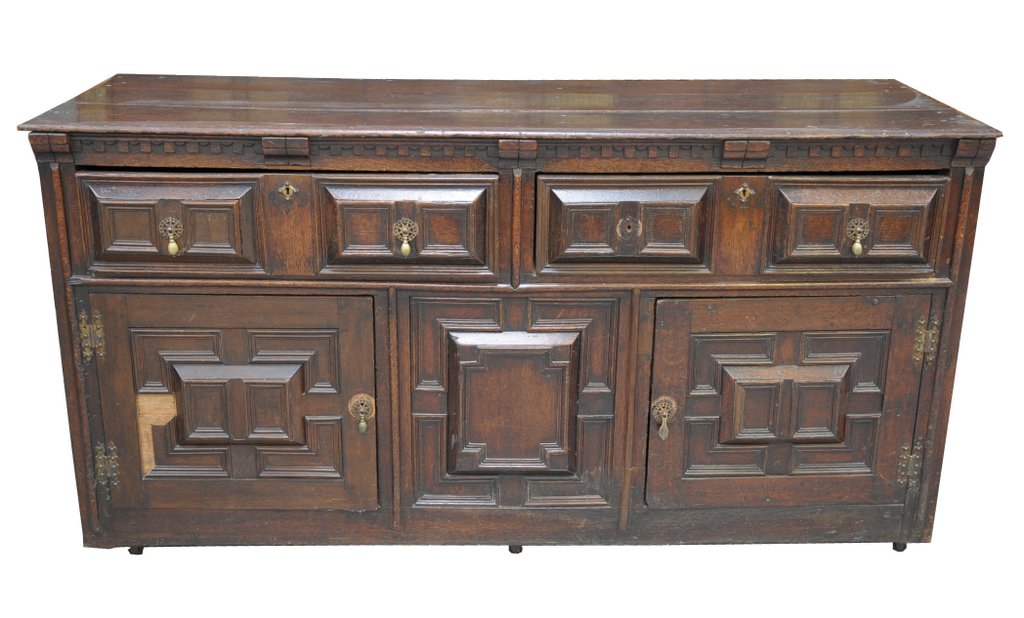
908, 473
926, 340
90, 335
106, 468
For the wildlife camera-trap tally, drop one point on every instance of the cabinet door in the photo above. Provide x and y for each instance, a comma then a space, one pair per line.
782, 401
239, 401
512, 402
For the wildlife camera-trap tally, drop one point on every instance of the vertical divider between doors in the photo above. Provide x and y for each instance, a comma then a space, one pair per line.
395, 407
630, 411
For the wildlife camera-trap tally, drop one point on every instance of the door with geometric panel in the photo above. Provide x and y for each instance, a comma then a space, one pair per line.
234, 402
782, 401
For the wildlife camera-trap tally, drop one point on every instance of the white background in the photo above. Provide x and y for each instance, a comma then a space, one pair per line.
966, 54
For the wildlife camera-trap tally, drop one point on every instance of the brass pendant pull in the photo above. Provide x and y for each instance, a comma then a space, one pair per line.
287, 190
857, 230
662, 410
405, 231
363, 408
171, 229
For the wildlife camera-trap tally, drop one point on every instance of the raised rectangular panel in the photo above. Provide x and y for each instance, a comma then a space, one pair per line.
898, 230
671, 230
128, 228
214, 230
762, 404
448, 231
243, 404
816, 232
590, 231
492, 430
364, 229
810, 218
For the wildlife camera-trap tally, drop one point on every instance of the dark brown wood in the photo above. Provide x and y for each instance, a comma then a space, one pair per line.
238, 403
288, 107
783, 401
582, 251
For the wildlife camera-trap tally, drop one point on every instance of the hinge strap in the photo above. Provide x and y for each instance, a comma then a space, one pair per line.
91, 335
926, 340
106, 468
908, 473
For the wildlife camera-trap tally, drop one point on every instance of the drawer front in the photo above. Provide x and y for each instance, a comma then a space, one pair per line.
623, 219
473, 438
408, 224
854, 224
783, 401
237, 402
173, 222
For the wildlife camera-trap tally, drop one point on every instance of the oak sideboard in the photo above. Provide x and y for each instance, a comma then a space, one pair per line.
325, 311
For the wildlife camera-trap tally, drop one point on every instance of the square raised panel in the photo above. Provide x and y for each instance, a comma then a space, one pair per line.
513, 401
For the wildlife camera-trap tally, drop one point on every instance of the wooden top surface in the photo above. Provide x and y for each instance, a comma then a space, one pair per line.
709, 109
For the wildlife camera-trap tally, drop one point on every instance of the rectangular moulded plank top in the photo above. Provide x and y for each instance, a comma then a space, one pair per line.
696, 109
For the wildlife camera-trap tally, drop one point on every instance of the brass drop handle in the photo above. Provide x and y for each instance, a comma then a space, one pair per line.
662, 411
171, 229
405, 231
857, 230
362, 407
287, 190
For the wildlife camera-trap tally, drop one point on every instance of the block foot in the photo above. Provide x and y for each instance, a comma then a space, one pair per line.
899, 546
135, 550
515, 549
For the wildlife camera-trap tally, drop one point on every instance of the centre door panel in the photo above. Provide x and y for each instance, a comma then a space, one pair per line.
224, 402
782, 401
513, 401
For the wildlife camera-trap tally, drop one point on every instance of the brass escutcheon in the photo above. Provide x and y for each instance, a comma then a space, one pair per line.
628, 228
287, 190
741, 197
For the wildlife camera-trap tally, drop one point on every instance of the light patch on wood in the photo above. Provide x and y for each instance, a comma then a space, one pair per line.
154, 410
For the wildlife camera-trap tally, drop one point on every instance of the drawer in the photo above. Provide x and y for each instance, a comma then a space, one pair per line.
184, 223
599, 223
408, 224
816, 223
